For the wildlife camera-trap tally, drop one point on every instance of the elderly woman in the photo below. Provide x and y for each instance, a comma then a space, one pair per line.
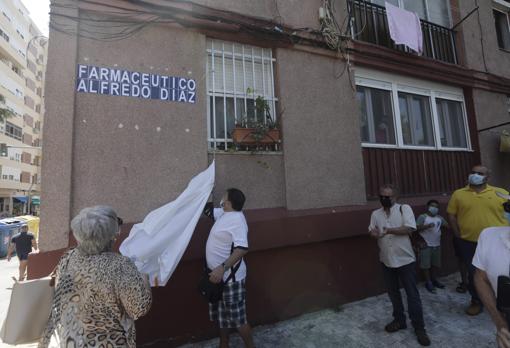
98, 293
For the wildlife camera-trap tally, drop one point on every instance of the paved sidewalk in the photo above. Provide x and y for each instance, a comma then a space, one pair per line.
361, 325
7, 271
357, 325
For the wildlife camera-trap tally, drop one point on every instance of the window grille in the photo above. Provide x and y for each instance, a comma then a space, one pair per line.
236, 75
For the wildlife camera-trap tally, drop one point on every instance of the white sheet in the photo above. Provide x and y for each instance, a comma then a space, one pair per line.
405, 27
157, 244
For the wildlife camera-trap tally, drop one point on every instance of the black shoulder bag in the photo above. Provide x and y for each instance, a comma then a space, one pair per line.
213, 292
417, 241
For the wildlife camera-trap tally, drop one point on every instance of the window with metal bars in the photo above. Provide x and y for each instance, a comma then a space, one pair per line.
237, 75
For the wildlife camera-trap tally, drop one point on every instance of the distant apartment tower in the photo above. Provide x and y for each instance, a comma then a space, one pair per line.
22, 67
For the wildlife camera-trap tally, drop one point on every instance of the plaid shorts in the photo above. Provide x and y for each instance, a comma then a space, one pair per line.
230, 312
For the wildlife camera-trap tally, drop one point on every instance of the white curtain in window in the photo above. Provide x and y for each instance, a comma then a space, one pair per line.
416, 119
438, 12
451, 123
417, 6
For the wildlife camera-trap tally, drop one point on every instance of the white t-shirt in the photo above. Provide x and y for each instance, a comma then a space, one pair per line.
493, 253
431, 235
229, 228
395, 251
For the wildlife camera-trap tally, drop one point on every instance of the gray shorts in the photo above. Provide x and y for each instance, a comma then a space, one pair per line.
430, 256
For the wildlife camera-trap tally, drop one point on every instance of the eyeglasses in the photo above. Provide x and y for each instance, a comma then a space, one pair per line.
385, 197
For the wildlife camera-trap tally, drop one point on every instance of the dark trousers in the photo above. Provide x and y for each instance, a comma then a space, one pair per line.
407, 276
467, 251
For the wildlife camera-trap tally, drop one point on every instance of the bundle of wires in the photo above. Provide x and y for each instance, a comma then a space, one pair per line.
330, 29
117, 22
105, 25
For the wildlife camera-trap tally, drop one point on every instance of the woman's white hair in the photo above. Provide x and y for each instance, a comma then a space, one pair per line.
95, 228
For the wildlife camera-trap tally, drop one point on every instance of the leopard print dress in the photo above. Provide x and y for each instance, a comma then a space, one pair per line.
97, 299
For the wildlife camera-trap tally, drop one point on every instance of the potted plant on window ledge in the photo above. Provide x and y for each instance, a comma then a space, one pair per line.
255, 132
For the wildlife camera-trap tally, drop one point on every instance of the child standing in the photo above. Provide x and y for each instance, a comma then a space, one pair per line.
429, 226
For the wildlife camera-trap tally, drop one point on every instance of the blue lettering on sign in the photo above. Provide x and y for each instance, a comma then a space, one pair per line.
117, 82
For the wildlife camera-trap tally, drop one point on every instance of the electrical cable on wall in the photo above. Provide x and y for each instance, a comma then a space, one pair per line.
335, 35
116, 22
481, 38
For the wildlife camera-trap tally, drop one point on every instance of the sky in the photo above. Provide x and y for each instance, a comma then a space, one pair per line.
39, 10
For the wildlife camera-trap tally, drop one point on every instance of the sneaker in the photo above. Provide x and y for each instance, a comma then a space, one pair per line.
438, 284
474, 309
394, 326
461, 288
430, 287
422, 337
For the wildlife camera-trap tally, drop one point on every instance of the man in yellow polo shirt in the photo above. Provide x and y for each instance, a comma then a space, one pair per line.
472, 209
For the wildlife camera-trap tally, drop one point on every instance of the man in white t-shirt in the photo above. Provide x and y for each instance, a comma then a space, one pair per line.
226, 246
391, 225
492, 259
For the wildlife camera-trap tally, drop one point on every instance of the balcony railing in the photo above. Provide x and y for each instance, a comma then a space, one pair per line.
370, 24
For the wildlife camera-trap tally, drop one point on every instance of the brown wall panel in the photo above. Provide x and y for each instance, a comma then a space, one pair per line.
416, 172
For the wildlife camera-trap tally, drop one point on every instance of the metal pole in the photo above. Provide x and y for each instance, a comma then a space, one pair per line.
30, 197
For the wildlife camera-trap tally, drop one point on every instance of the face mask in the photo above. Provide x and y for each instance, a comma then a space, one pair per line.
476, 179
507, 215
433, 210
386, 201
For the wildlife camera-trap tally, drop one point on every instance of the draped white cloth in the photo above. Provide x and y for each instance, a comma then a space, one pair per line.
157, 244
405, 27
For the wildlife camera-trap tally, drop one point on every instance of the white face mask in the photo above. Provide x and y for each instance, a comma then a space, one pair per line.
433, 210
476, 179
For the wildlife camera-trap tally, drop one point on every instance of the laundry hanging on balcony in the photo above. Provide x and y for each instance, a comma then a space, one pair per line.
405, 28
157, 244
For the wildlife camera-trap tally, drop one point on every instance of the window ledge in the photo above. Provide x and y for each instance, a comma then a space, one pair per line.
244, 153
417, 148
506, 50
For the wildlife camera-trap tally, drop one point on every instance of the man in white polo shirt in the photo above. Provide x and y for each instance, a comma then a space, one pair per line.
492, 259
391, 225
226, 246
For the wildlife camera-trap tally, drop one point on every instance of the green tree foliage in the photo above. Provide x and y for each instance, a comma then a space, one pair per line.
4, 112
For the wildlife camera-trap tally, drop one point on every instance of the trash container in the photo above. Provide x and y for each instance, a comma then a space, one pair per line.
8, 228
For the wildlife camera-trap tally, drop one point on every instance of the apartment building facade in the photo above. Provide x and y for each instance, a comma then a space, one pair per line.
23, 51
137, 107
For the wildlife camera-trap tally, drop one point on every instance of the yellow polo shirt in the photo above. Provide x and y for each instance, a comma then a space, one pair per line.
477, 211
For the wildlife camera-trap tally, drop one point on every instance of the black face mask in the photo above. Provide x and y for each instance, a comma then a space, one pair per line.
385, 201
